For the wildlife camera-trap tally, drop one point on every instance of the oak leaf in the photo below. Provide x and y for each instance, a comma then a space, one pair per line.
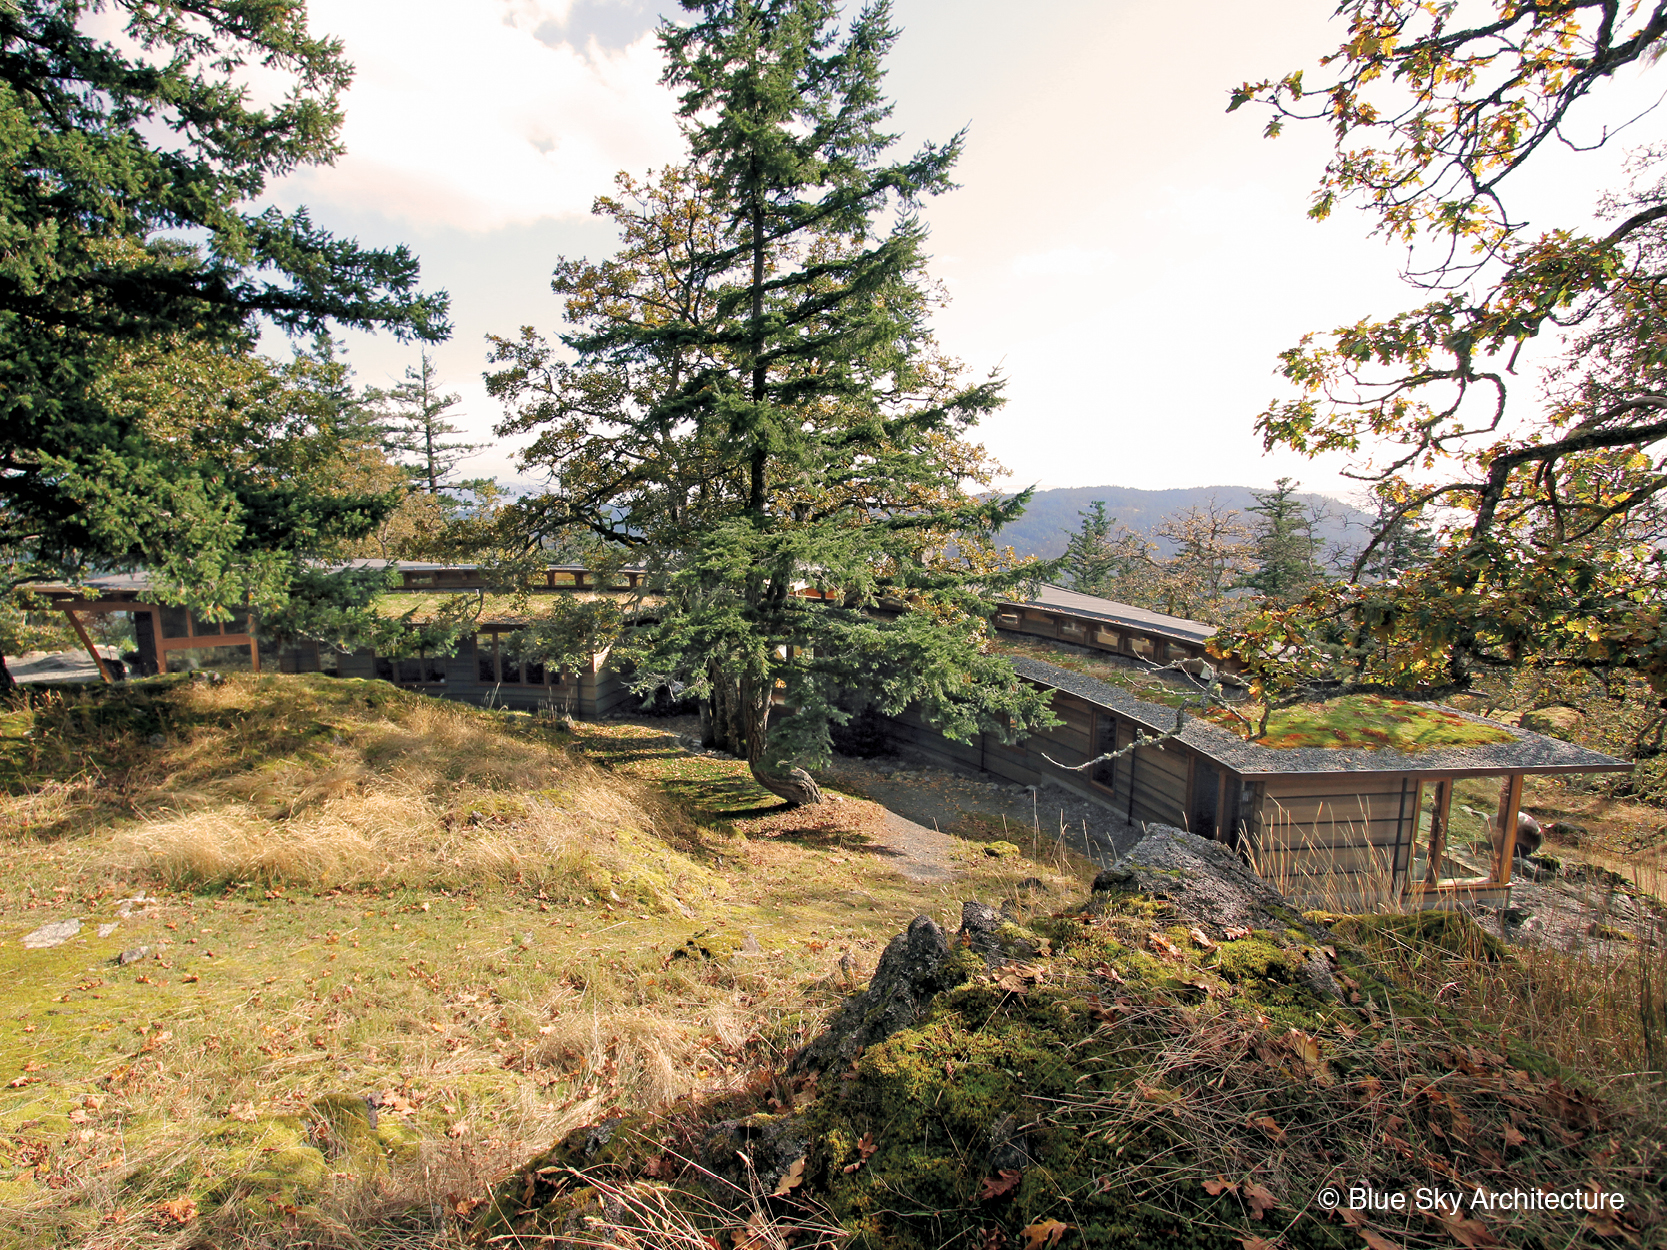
1003, 1182
790, 1179
1044, 1234
1258, 1198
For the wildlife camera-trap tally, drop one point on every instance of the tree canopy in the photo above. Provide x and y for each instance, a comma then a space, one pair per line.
1545, 485
757, 408
134, 273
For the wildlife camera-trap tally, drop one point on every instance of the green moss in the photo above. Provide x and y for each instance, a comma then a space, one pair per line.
1000, 849
709, 944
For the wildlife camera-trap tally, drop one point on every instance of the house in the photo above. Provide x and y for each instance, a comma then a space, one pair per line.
1360, 805
1351, 804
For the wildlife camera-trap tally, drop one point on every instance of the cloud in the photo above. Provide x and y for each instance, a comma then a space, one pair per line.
467, 114
1063, 262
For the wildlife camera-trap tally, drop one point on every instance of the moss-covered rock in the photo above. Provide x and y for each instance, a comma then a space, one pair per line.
1138, 1051
1000, 849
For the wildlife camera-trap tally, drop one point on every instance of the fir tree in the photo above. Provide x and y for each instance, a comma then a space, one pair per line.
1284, 547
133, 156
1089, 561
757, 407
415, 413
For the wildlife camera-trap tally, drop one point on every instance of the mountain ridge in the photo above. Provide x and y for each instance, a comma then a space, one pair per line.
1052, 515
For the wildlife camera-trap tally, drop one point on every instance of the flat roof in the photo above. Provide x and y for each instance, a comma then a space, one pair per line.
1528, 752
1076, 603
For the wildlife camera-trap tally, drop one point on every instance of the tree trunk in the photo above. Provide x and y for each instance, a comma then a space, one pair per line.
708, 725
793, 784
7, 682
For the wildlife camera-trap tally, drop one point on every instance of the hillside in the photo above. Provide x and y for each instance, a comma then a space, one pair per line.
298, 961
291, 960
1051, 517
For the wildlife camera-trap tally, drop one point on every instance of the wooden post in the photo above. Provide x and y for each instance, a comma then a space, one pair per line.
87, 642
1440, 804
1505, 825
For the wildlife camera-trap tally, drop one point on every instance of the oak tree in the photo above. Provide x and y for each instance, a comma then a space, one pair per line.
1546, 482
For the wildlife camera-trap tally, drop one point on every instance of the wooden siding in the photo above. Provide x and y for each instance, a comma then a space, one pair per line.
1344, 838
1159, 784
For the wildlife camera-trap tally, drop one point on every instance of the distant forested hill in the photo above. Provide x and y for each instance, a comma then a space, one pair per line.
1052, 517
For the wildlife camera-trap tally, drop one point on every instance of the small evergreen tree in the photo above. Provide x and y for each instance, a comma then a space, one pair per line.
1284, 547
415, 415
1089, 561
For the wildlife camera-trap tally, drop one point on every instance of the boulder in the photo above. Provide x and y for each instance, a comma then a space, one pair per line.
903, 983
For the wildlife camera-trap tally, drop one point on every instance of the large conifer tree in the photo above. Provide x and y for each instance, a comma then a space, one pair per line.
130, 255
757, 407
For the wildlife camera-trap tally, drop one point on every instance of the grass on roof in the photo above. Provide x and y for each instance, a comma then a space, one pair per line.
1369, 722
1356, 722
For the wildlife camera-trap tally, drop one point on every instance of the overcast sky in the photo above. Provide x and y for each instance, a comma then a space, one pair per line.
1129, 255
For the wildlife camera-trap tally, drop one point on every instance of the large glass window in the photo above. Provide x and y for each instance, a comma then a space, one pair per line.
486, 653
174, 623
201, 628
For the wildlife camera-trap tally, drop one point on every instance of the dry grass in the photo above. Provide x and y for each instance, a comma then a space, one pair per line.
470, 912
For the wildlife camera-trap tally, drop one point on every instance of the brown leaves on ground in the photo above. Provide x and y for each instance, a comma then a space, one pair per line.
1163, 945
177, 1211
865, 1149
1468, 1232
1257, 1197
790, 1179
1017, 978
1044, 1234
1001, 1184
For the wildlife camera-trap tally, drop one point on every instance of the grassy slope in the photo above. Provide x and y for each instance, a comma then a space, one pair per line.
361, 891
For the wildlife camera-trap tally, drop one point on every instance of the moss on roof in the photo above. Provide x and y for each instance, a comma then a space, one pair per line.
421, 607
1356, 722
1369, 722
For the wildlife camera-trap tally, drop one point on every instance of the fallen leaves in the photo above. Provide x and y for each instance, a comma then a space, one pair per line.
1018, 978
1269, 1126
790, 1179
1163, 945
1468, 1232
865, 1150
1257, 1197
177, 1211
1001, 1184
1044, 1234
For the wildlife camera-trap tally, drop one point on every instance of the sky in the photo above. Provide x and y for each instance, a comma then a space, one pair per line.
1128, 255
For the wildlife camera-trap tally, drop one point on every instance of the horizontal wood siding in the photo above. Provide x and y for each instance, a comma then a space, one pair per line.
1343, 839
1160, 785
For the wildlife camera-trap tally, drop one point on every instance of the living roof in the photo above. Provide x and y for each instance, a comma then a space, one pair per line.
510, 611
1521, 751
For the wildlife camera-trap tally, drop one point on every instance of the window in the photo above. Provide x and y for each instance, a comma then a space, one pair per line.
188, 659
174, 623
203, 629
486, 653
239, 624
